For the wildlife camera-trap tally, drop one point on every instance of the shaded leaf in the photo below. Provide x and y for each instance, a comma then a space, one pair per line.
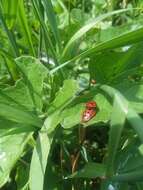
73, 116
91, 170
64, 95
11, 148
39, 161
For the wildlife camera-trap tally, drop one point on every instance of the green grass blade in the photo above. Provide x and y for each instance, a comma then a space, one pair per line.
41, 153
52, 20
9, 33
118, 118
39, 162
117, 123
10, 11
119, 41
39, 15
25, 28
82, 31
121, 112
11, 67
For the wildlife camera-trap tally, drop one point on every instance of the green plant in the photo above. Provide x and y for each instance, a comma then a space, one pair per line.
55, 57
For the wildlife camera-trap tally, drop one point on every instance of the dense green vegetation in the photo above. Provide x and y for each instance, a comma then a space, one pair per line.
55, 56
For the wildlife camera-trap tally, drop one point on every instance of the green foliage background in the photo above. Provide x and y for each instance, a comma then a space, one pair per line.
51, 52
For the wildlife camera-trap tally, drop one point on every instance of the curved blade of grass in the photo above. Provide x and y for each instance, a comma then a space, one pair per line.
39, 162
118, 119
121, 112
11, 67
10, 10
82, 31
48, 42
119, 41
25, 28
52, 20
38, 13
10, 35
41, 153
62, 5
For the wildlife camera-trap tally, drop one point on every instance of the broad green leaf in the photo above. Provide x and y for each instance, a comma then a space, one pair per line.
11, 148
91, 170
19, 115
52, 121
10, 128
64, 95
103, 68
13, 96
73, 116
33, 74
19, 108
114, 67
31, 85
39, 161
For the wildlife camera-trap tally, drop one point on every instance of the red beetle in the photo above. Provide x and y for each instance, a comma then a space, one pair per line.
88, 114
91, 105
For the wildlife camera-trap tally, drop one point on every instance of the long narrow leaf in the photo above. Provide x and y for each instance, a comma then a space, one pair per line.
119, 41
52, 20
121, 112
38, 13
39, 162
82, 31
10, 35
25, 28
117, 123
